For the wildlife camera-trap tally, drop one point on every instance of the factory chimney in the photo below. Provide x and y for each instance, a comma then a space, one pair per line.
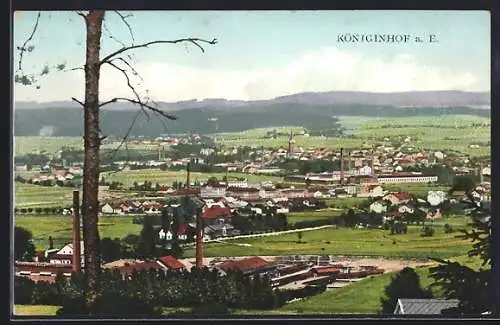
349, 163
199, 240
188, 175
77, 259
481, 176
371, 164
227, 177
341, 166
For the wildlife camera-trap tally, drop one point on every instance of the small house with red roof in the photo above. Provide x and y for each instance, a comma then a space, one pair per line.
170, 263
184, 232
249, 266
215, 215
398, 197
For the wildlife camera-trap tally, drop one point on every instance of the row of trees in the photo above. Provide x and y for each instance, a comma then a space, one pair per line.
39, 210
453, 280
147, 292
247, 221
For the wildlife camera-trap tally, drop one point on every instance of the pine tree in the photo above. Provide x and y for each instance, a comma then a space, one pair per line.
405, 284
147, 240
470, 286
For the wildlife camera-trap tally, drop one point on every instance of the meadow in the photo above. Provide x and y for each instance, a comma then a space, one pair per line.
345, 241
294, 217
418, 189
26, 144
29, 144
34, 196
168, 177
452, 132
59, 227
349, 300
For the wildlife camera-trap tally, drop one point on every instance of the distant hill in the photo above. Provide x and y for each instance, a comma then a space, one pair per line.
314, 111
397, 99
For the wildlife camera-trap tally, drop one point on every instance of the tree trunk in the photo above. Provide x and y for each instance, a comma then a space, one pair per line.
90, 204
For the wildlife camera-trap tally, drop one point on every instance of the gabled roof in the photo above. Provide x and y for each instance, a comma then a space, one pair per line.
216, 211
171, 262
326, 270
423, 306
243, 189
147, 265
402, 196
245, 265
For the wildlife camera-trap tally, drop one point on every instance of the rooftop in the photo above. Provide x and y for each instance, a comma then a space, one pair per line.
423, 306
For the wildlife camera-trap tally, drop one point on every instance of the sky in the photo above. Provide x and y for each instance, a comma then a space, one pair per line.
262, 54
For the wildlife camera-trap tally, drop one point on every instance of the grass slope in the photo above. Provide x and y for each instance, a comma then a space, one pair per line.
35, 310
344, 241
33, 196
168, 177
59, 227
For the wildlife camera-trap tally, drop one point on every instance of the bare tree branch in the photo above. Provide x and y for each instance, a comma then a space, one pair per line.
78, 101
126, 136
134, 71
129, 84
25, 47
111, 35
82, 14
124, 20
141, 104
195, 41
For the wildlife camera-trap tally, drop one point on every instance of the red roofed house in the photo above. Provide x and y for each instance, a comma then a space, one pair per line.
183, 233
249, 266
398, 197
215, 215
170, 263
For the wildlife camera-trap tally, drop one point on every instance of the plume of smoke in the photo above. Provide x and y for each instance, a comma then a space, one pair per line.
46, 131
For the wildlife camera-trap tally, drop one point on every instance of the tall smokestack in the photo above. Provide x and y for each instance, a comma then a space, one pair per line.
481, 177
199, 240
349, 163
341, 166
227, 177
188, 174
371, 164
77, 259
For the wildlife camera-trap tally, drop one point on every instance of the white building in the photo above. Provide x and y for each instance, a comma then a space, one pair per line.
378, 207
406, 178
213, 191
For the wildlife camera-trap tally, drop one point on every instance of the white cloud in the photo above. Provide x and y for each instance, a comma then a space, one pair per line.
323, 70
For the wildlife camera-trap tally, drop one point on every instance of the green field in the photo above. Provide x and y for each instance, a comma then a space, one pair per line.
35, 310
294, 217
31, 144
452, 132
59, 227
415, 188
349, 300
24, 144
33, 196
345, 241
168, 177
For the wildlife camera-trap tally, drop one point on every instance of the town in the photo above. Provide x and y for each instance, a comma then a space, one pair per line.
174, 164
376, 185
